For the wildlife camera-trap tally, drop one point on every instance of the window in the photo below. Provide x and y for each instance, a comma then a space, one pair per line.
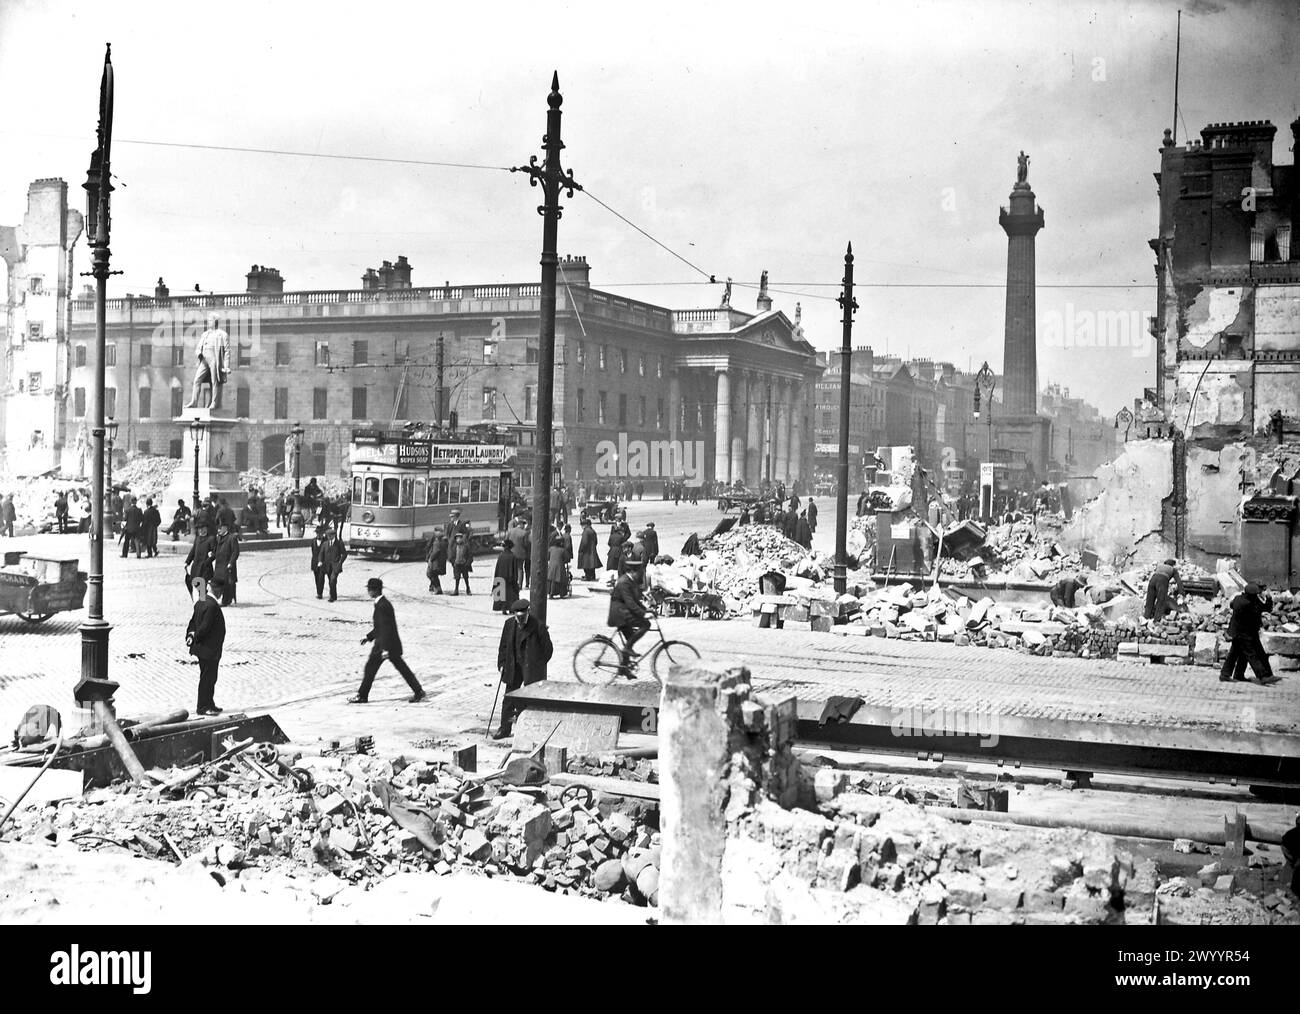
36, 285
241, 455
489, 403
281, 353
79, 401
489, 350
178, 355
146, 355
659, 367
600, 359
529, 400
35, 330
282, 403
530, 354
392, 489
404, 402
372, 491
359, 403
177, 395
640, 415
322, 353
420, 491
360, 352
110, 354
142, 446
408, 490
582, 355
641, 366
244, 353
319, 403
659, 415
241, 403
146, 402
175, 449
317, 461
600, 408
622, 409
110, 402
33, 383
402, 350
582, 406
622, 360
79, 355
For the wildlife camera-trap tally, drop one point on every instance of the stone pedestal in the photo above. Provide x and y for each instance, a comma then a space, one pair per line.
216, 457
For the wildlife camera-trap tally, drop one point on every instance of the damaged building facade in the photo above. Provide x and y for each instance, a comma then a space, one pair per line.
1227, 394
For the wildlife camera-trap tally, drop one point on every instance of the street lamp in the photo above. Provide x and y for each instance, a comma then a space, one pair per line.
297, 432
196, 431
110, 433
985, 382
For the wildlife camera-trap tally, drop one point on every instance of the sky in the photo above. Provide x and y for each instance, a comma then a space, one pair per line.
742, 137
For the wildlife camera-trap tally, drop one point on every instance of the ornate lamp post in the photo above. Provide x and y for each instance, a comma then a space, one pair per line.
110, 434
196, 431
1124, 419
297, 432
985, 382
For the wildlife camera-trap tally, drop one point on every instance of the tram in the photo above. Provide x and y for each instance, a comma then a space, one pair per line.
403, 488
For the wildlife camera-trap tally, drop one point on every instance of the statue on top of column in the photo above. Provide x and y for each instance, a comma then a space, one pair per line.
212, 363
726, 296
1022, 168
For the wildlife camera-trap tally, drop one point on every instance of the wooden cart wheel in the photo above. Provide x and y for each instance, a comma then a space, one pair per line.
35, 617
580, 794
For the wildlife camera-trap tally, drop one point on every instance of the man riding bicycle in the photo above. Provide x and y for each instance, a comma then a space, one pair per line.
626, 611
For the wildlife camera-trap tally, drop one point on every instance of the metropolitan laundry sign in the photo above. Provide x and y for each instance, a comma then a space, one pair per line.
833, 449
423, 454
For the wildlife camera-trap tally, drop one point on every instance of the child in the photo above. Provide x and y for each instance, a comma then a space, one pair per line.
461, 562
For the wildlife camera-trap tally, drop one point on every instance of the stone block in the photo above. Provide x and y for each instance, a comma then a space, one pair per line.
1043, 901
829, 783
964, 890
475, 846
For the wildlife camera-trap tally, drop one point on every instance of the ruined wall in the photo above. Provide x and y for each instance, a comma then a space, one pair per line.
1215, 474
1127, 521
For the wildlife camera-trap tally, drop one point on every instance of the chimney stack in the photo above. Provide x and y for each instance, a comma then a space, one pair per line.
263, 279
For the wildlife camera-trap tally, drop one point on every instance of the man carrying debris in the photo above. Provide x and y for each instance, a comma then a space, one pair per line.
206, 637
1065, 590
1248, 611
522, 655
1159, 601
387, 645
626, 612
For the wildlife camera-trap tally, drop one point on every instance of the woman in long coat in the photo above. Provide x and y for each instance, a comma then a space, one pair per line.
588, 555
505, 589
617, 537
436, 555
557, 571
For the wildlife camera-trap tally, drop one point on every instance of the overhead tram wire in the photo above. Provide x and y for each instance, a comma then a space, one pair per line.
313, 154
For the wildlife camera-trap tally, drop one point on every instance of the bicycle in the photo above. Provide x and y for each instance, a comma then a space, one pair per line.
598, 660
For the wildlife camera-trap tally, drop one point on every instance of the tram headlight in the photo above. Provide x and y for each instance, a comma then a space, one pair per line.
367, 516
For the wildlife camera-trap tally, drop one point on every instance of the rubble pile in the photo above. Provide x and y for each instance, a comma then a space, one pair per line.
272, 484
328, 823
146, 475
632, 769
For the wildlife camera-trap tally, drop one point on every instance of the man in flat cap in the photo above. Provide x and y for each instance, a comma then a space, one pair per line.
387, 645
1248, 611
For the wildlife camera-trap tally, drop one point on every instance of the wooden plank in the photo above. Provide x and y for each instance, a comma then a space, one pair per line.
578, 731
611, 786
53, 786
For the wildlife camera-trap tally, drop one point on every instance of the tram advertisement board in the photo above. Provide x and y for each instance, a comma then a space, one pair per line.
423, 454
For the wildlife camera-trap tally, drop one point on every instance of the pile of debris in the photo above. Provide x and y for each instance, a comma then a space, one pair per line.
272, 484
146, 475
333, 821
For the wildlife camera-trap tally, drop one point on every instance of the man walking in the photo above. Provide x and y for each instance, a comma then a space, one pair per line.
149, 525
198, 562
225, 562
588, 554
1248, 610
522, 655
332, 556
317, 562
387, 645
206, 637
132, 523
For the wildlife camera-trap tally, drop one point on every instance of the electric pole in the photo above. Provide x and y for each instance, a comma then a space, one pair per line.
849, 305
439, 408
95, 685
552, 180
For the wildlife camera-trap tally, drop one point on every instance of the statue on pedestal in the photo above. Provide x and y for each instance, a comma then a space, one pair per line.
212, 365
1022, 168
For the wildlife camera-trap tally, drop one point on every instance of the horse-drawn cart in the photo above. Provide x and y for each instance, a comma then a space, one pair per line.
36, 587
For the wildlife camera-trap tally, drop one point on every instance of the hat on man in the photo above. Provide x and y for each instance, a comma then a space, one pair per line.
519, 606
633, 562
1251, 589
455, 513
374, 584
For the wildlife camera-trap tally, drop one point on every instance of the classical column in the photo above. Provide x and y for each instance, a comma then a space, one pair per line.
1021, 221
754, 430
722, 428
743, 394
781, 462
796, 433
674, 407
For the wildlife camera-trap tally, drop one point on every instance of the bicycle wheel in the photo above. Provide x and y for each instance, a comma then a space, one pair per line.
669, 654
596, 661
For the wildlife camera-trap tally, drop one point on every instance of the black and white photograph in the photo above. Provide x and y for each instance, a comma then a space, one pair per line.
862, 441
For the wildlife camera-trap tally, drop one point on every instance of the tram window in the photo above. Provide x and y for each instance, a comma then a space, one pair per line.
474, 488
372, 490
495, 490
453, 491
407, 482
356, 489
419, 491
443, 492
464, 490
390, 491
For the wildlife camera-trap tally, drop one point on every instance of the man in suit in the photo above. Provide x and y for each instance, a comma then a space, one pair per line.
132, 524
387, 644
626, 611
149, 527
198, 562
522, 655
1248, 611
317, 563
650, 538
332, 555
206, 637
